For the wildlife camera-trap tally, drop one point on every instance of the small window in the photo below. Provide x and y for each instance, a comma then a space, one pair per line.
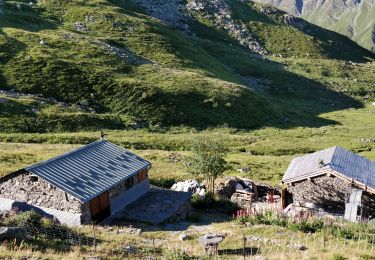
34, 178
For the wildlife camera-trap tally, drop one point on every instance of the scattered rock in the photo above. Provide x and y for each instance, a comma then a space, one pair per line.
126, 55
184, 237
90, 19
130, 249
81, 27
244, 170
84, 103
92, 258
130, 230
12, 233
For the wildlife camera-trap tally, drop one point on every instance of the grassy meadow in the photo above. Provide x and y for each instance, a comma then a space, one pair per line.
266, 151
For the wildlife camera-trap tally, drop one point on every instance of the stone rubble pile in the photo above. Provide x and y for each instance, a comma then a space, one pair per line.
192, 186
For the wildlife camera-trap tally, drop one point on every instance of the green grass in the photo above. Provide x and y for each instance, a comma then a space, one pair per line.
266, 151
193, 81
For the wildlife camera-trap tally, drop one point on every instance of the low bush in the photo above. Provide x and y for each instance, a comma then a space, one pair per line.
307, 226
214, 201
23, 219
163, 182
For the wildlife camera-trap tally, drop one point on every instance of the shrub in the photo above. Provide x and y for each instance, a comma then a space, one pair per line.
24, 219
214, 201
307, 226
268, 218
338, 257
163, 182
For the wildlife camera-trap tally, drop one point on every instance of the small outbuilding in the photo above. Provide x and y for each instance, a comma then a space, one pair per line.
334, 180
83, 186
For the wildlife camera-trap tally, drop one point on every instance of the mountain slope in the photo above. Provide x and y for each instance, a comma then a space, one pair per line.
353, 18
208, 64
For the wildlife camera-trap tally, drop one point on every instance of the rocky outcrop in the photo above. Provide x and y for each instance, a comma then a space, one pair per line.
177, 13
219, 11
168, 11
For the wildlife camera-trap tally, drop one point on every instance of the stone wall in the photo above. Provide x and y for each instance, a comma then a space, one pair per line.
368, 202
325, 192
330, 193
40, 193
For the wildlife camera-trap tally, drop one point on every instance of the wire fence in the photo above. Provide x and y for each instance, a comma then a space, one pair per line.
278, 244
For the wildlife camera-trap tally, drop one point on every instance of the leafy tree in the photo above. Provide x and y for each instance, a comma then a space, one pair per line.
208, 160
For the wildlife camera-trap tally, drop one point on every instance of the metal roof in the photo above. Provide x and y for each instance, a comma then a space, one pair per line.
90, 170
351, 165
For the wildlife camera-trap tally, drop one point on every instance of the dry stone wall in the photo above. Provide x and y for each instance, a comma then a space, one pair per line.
326, 192
40, 193
330, 193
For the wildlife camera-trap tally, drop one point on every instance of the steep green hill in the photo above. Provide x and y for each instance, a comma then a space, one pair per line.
353, 18
202, 67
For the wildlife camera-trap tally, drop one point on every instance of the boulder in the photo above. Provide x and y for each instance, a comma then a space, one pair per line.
211, 239
12, 233
227, 188
187, 186
183, 237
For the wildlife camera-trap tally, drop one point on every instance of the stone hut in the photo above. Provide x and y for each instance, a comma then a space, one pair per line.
334, 180
83, 186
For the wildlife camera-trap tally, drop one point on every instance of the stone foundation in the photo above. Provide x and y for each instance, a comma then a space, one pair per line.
330, 194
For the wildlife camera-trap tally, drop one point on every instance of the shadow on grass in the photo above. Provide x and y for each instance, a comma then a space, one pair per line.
205, 219
295, 100
247, 251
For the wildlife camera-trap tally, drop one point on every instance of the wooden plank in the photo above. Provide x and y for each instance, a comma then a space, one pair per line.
95, 206
104, 200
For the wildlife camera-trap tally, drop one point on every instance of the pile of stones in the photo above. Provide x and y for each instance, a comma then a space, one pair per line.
192, 186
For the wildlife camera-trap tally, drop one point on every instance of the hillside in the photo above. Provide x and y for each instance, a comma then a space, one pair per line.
355, 19
118, 63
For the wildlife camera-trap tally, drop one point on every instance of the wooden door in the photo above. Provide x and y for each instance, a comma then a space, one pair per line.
100, 208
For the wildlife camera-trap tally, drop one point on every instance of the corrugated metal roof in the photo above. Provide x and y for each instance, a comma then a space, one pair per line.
90, 170
336, 158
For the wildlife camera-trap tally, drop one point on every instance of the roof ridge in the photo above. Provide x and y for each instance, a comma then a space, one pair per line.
65, 154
